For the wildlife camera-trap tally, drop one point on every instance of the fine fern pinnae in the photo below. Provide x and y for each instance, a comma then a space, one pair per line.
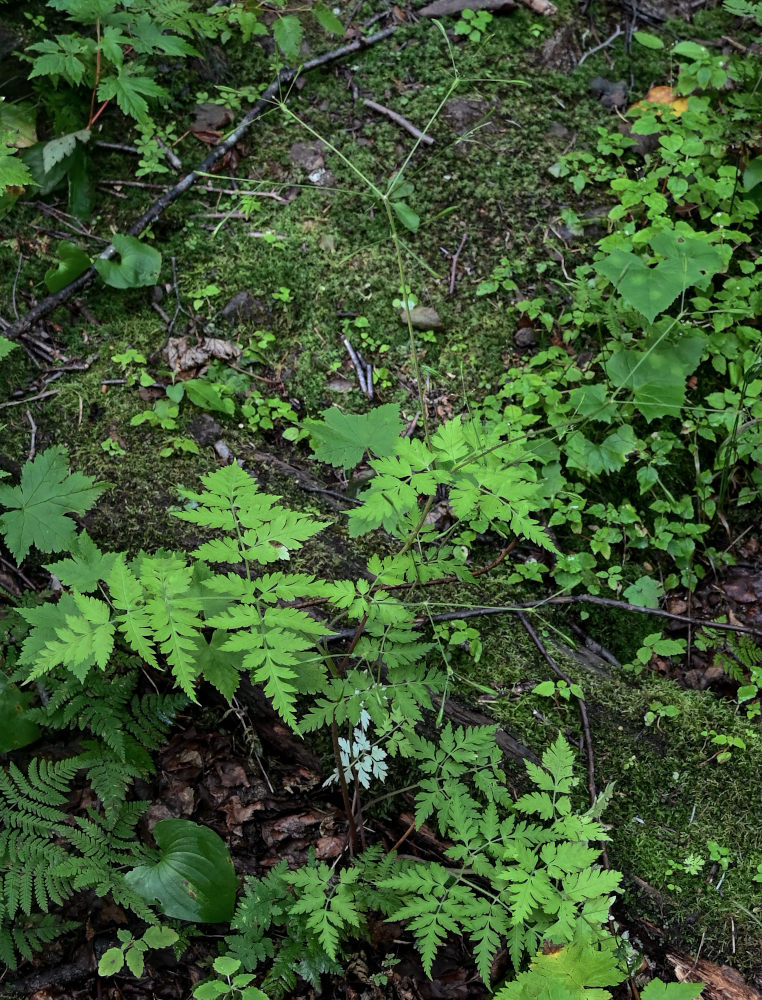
516, 872
46, 855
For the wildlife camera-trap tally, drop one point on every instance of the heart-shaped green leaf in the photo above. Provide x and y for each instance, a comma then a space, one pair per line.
71, 263
193, 879
139, 264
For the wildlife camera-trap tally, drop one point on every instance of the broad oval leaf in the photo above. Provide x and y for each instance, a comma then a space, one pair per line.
327, 20
139, 264
16, 729
112, 961
194, 878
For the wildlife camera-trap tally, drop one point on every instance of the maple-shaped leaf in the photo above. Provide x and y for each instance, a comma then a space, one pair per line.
343, 438
37, 509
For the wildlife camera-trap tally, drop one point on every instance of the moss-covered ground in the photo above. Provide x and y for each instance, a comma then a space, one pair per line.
502, 114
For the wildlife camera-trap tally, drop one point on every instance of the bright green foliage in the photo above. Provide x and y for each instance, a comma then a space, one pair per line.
542, 881
37, 509
577, 971
6, 346
132, 951
657, 990
71, 263
139, 264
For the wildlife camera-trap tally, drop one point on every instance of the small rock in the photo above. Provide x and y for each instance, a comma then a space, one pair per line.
422, 318
205, 430
307, 155
525, 337
611, 93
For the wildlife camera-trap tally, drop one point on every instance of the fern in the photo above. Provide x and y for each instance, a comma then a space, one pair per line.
45, 857
540, 882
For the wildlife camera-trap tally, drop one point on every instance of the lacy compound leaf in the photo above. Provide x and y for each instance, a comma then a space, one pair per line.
37, 509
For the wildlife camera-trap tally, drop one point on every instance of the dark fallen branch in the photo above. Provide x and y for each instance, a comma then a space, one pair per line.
543, 651
283, 79
606, 602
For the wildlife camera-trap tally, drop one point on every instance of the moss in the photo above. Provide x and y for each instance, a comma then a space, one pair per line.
671, 796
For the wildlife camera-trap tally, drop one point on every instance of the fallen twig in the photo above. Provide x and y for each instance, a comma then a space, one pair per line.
542, 649
403, 122
33, 438
603, 45
448, 616
454, 262
358, 365
284, 78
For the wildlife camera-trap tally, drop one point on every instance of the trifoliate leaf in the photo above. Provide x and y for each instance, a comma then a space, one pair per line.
194, 878
343, 438
37, 507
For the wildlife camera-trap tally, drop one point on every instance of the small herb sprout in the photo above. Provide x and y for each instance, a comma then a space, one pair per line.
236, 985
726, 744
179, 445
112, 447
473, 24
558, 689
657, 712
132, 951
201, 295
283, 295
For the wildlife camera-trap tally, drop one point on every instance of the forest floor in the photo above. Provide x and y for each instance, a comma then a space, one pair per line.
281, 253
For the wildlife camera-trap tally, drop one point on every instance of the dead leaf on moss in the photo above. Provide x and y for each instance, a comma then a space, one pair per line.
188, 357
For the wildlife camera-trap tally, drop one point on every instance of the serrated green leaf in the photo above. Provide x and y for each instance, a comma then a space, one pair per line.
37, 508
343, 438
287, 32
193, 879
135, 961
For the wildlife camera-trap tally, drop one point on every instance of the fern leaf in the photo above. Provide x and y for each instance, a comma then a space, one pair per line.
127, 596
86, 641
486, 929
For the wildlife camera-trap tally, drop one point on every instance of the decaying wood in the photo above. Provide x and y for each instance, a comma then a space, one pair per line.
462, 715
542, 7
443, 8
283, 80
721, 982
